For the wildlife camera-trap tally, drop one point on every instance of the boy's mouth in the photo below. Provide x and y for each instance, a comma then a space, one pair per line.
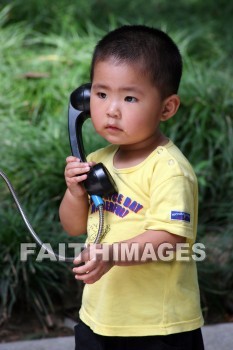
112, 128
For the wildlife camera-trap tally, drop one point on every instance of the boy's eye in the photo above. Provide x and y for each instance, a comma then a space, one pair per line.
101, 95
130, 99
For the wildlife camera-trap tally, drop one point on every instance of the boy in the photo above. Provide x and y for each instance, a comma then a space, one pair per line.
136, 303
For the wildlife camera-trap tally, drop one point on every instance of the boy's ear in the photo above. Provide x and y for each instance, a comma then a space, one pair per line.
170, 107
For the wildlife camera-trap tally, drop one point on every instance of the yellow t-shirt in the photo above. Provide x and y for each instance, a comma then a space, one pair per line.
155, 298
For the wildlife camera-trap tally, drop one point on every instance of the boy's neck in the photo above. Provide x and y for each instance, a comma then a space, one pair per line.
131, 155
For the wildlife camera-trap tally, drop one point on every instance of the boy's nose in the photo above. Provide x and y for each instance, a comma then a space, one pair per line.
113, 110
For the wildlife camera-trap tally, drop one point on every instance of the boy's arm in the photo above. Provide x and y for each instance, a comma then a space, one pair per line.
73, 213
154, 238
74, 206
95, 267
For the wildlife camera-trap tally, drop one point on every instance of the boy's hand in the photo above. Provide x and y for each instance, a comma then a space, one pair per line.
76, 172
98, 261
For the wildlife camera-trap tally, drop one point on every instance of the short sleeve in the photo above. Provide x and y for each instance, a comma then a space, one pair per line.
173, 207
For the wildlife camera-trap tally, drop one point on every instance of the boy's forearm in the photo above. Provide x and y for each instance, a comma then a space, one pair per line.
132, 251
100, 258
73, 213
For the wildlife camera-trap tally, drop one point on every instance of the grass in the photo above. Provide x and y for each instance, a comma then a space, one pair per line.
46, 52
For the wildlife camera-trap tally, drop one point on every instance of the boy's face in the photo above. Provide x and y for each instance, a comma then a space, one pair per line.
125, 107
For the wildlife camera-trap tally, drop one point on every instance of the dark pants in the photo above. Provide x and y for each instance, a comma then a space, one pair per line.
86, 339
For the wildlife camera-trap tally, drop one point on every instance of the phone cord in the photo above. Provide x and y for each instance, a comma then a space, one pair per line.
32, 232
101, 224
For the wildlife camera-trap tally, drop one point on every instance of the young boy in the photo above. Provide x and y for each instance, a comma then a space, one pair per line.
136, 303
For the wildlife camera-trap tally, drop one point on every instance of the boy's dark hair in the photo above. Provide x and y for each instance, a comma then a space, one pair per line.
151, 49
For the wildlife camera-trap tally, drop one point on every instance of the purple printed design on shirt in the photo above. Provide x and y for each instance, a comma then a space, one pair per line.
119, 205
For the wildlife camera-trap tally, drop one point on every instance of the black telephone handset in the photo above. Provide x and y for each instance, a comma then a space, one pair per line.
99, 181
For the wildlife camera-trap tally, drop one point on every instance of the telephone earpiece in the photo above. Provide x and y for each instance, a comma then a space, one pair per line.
99, 181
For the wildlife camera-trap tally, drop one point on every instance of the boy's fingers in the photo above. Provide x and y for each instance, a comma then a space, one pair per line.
76, 171
72, 159
84, 268
83, 256
77, 260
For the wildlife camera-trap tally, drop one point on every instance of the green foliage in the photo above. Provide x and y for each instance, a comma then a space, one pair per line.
45, 53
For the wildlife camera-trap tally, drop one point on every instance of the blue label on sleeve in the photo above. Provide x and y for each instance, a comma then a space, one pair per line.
180, 215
